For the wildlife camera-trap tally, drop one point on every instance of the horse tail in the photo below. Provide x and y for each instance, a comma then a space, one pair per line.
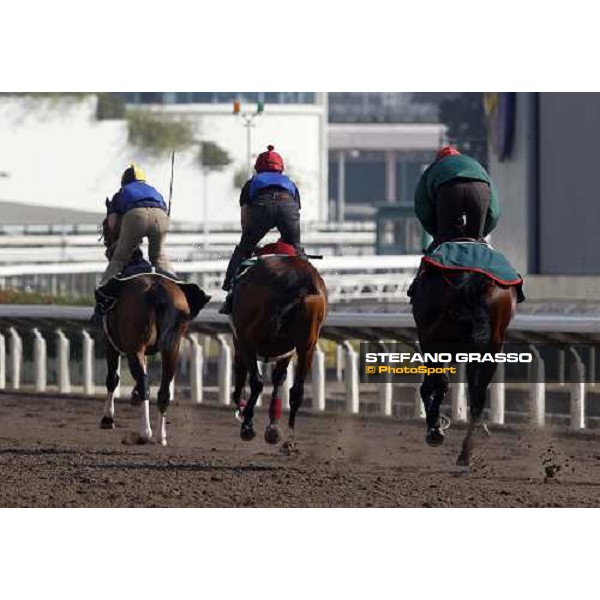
168, 317
289, 296
473, 306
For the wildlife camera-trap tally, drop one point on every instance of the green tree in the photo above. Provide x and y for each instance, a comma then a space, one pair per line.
212, 157
158, 134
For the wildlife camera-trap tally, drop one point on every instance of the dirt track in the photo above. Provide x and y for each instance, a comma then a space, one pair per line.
52, 453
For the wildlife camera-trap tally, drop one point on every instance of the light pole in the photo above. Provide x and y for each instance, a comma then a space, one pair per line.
248, 123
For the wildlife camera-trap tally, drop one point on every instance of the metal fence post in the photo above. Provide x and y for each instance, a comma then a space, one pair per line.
419, 408
352, 379
196, 369
577, 396
224, 376
537, 394
2, 362
498, 396
287, 385
385, 395
385, 392
89, 380
16, 357
318, 380
459, 396
40, 363
339, 363
63, 351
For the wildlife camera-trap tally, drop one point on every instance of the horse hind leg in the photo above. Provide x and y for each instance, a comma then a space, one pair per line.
305, 355
247, 432
112, 383
240, 375
272, 435
479, 377
140, 397
433, 391
169, 368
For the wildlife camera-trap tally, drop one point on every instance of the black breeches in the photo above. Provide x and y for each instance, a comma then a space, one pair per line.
462, 208
264, 215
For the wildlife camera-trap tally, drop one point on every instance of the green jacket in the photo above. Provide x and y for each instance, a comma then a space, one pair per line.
442, 171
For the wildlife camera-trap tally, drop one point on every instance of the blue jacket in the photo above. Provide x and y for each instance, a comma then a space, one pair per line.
263, 181
137, 194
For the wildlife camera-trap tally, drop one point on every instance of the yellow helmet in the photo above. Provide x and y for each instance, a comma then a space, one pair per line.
132, 173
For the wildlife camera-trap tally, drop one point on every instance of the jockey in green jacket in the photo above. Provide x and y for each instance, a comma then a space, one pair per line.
455, 198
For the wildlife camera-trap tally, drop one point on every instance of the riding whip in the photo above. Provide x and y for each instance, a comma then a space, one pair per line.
107, 204
171, 186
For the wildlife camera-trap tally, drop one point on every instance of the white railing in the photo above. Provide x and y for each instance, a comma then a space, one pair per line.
80, 244
175, 227
67, 326
348, 278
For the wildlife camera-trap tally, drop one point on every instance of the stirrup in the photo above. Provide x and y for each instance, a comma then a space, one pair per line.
444, 422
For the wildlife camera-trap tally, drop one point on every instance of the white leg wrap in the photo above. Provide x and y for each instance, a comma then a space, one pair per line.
145, 429
161, 427
109, 406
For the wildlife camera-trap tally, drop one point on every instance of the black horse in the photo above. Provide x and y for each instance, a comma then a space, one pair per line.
466, 310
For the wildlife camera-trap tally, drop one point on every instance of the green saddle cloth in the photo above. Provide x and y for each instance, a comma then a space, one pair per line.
474, 257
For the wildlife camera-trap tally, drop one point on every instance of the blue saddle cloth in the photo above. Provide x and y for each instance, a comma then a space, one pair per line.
473, 257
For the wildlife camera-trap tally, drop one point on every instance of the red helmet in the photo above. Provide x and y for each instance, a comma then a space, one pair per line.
447, 151
269, 161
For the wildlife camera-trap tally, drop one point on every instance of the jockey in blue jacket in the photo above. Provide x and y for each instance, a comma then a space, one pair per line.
270, 199
141, 212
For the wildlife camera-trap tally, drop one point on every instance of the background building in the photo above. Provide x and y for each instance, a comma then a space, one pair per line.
544, 161
379, 143
57, 151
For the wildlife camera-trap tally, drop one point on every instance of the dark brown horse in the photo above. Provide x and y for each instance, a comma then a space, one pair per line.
279, 307
466, 309
151, 315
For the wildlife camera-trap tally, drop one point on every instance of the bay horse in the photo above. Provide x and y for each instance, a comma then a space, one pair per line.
151, 315
279, 307
466, 309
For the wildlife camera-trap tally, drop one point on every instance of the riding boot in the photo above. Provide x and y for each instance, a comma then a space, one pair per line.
410, 292
227, 306
103, 305
234, 264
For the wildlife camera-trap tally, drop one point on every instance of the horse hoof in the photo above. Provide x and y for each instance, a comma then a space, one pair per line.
435, 437
135, 439
163, 443
463, 460
290, 448
107, 423
247, 433
483, 432
272, 435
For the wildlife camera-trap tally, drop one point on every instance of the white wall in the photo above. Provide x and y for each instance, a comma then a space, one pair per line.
58, 154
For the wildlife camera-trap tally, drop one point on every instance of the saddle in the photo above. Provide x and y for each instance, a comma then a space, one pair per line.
108, 294
278, 248
472, 256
